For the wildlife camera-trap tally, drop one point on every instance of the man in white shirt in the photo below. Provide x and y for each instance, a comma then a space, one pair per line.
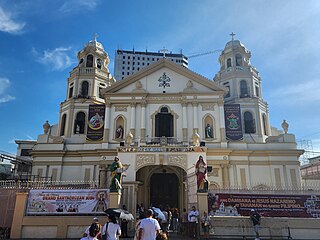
193, 218
149, 227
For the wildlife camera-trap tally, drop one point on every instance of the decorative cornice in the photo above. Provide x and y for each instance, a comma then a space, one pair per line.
178, 160
121, 108
143, 160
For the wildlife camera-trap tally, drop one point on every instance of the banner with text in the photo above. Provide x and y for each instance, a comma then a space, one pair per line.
232, 117
75, 201
95, 122
300, 206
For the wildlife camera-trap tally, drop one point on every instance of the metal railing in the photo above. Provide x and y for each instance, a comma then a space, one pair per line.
28, 184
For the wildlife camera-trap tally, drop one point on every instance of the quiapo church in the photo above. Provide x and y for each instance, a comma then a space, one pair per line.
158, 122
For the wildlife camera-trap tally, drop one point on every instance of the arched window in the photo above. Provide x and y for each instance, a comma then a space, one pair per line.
238, 60
164, 110
243, 89
84, 89
63, 124
249, 124
228, 62
89, 61
79, 123
265, 126
99, 63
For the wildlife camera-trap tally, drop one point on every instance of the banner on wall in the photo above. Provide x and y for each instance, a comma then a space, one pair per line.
67, 202
95, 122
232, 117
298, 206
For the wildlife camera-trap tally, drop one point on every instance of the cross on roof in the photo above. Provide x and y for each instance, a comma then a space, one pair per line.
232, 35
164, 50
95, 36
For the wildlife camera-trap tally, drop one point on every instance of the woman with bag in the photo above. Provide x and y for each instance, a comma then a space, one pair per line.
111, 230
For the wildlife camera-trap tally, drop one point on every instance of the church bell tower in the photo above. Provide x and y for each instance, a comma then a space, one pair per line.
244, 84
84, 86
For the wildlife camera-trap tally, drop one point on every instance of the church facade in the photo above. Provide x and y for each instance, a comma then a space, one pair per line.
158, 122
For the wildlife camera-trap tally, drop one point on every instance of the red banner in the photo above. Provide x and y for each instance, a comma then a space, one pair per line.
300, 206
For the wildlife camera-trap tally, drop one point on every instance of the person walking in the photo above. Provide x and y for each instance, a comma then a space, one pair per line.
255, 218
124, 225
205, 224
184, 222
175, 220
149, 227
93, 232
193, 219
111, 230
87, 231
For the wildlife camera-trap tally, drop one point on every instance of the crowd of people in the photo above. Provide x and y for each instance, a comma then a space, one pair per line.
157, 223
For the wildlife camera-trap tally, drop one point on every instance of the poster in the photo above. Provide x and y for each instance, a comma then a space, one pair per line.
232, 117
95, 122
268, 205
67, 202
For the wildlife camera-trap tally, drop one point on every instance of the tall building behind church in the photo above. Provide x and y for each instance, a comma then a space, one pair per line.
129, 62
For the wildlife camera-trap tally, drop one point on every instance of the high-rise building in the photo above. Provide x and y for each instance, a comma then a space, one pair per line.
129, 62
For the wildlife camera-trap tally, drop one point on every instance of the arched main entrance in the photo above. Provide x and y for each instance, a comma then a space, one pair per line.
161, 185
164, 189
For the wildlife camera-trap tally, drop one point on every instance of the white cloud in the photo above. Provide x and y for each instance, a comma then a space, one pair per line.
78, 5
303, 93
57, 59
7, 24
4, 85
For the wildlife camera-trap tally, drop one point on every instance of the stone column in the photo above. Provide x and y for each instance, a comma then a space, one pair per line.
18, 215
133, 119
225, 175
102, 178
143, 122
222, 123
184, 122
195, 116
202, 206
106, 123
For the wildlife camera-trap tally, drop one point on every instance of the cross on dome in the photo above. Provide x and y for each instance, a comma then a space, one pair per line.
232, 35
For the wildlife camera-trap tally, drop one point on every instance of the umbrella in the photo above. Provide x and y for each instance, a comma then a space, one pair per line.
120, 213
158, 213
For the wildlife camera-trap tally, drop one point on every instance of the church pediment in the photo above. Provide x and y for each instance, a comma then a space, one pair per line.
164, 76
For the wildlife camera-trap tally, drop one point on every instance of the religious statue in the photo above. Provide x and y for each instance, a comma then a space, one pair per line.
201, 173
285, 126
46, 127
116, 175
119, 132
208, 131
195, 138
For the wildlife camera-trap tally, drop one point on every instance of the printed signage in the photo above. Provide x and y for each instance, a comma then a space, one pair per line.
95, 122
232, 116
268, 205
67, 202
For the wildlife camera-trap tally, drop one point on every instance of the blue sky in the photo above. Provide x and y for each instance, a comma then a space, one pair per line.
39, 40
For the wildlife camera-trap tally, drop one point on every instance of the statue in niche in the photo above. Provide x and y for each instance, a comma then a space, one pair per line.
208, 131
119, 132
285, 126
